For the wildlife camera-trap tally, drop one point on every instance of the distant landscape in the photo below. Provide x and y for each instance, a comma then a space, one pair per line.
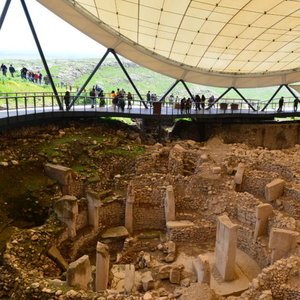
74, 72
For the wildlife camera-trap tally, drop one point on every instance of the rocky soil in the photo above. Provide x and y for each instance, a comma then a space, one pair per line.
111, 156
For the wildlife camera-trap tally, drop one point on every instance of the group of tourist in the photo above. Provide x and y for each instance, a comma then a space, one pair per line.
11, 70
35, 77
119, 99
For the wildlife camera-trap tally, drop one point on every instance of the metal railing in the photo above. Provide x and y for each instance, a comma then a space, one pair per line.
23, 104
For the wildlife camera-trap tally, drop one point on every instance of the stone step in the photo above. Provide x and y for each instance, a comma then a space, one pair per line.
179, 224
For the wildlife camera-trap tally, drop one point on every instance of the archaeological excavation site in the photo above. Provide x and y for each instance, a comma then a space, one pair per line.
106, 211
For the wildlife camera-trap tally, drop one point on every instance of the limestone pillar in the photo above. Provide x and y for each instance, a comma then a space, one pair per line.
66, 209
226, 243
79, 273
129, 213
274, 189
202, 269
93, 209
170, 204
129, 278
238, 177
263, 212
102, 267
64, 176
281, 242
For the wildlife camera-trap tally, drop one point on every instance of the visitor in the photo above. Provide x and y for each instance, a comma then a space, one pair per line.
4, 69
67, 99
129, 99
93, 97
121, 103
182, 104
197, 102
296, 101
148, 96
12, 70
188, 106
101, 98
211, 101
202, 102
24, 73
280, 104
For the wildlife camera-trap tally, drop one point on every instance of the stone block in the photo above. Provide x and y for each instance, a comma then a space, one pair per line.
202, 269
62, 174
55, 254
129, 278
170, 204
118, 232
147, 281
274, 189
216, 170
281, 242
79, 273
179, 224
164, 272
262, 213
175, 274
238, 177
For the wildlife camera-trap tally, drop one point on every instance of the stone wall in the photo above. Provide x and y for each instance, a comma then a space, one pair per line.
254, 182
281, 279
112, 214
256, 250
202, 233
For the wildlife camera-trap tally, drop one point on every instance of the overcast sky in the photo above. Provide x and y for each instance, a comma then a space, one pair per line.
57, 38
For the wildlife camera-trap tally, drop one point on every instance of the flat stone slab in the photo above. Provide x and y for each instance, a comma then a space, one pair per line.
115, 232
179, 224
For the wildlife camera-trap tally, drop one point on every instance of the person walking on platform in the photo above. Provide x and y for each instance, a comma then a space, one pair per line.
296, 101
280, 104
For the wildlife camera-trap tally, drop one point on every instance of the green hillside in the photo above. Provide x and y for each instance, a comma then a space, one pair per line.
71, 74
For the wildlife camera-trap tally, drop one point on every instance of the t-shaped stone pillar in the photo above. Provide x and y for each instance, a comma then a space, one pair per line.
93, 209
66, 209
274, 189
170, 204
79, 273
129, 209
281, 242
102, 267
64, 176
226, 243
238, 177
263, 212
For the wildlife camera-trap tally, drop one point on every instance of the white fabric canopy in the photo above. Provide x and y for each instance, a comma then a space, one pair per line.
240, 43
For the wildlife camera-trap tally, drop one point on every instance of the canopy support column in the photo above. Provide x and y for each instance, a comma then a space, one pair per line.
188, 90
4, 11
291, 91
219, 98
274, 95
128, 77
168, 91
89, 78
41, 53
238, 92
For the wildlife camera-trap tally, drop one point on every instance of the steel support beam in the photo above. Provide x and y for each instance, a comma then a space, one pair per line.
5, 9
186, 87
238, 92
291, 91
41, 53
274, 95
89, 78
169, 90
127, 75
219, 98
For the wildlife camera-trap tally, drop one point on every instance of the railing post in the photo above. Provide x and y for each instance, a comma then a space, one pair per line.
25, 101
34, 104
17, 107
